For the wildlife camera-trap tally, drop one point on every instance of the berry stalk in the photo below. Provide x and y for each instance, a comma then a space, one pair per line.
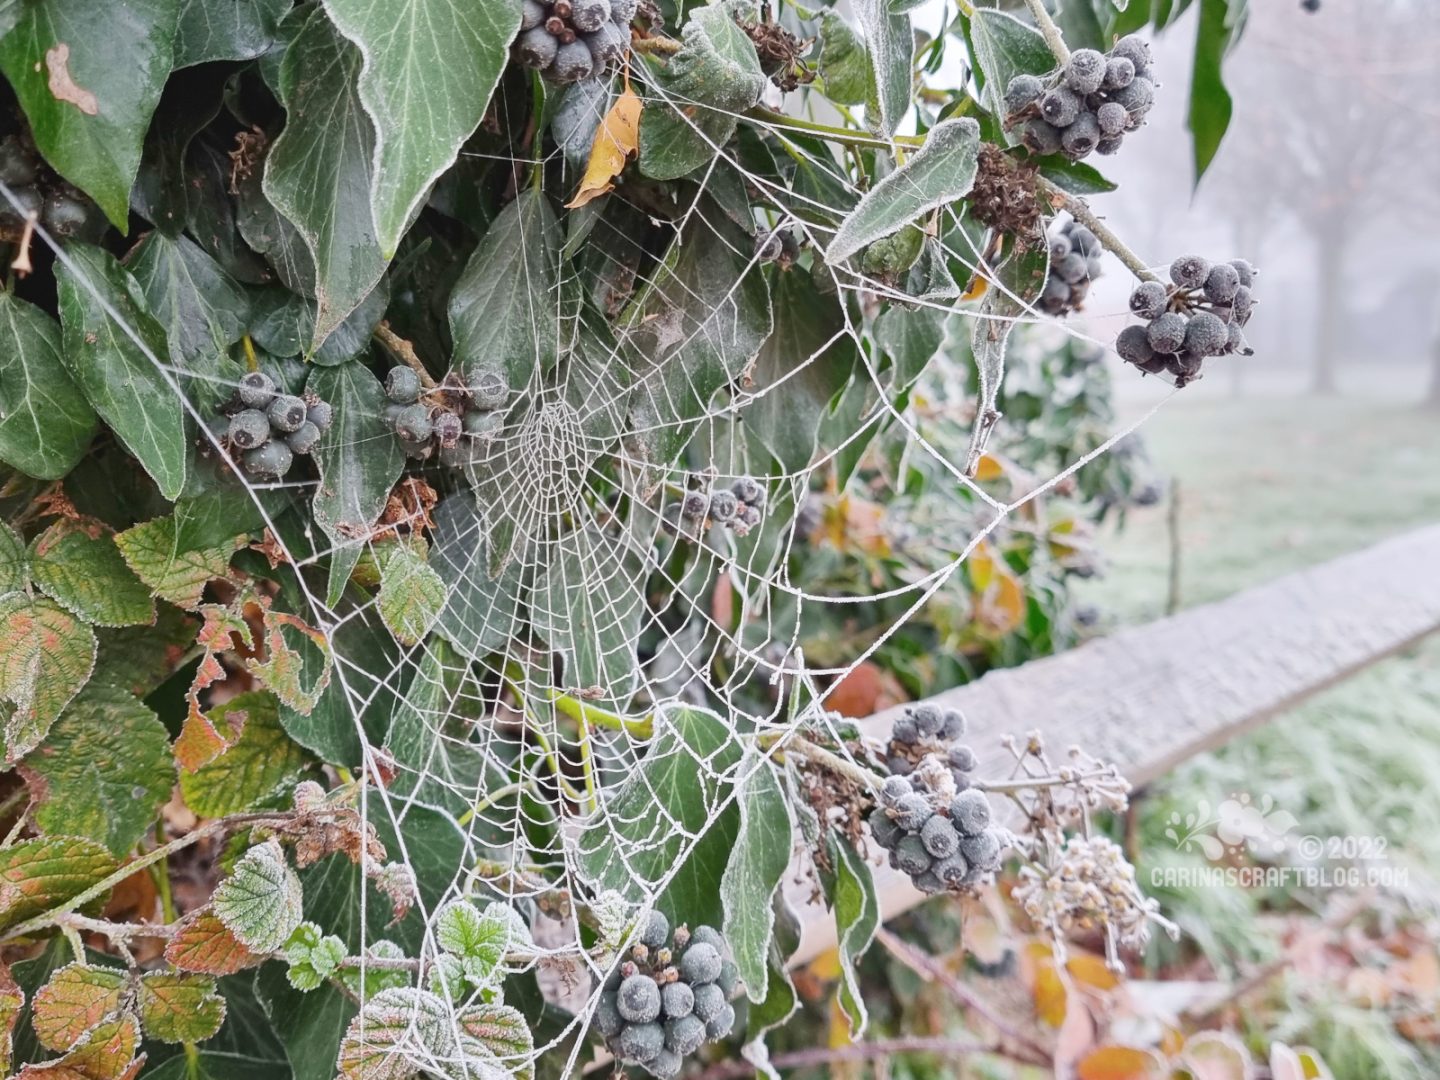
1049, 31
1081, 212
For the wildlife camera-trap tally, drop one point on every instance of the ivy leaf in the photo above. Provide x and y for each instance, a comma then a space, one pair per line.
850, 892
480, 609
1210, 102
103, 771
205, 944
426, 88
1005, 47
46, 656
318, 172
988, 338
411, 593
313, 956
89, 86
844, 63
762, 852
910, 337
37, 875
890, 41
260, 902
86, 576
173, 570
235, 30
257, 771
125, 382
503, 1031
76, 998
503, 310
138, 659
14, 561
940, 172
179, 1008
700, 93
45, 422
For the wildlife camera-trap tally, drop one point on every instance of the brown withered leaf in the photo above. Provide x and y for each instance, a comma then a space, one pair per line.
617, 137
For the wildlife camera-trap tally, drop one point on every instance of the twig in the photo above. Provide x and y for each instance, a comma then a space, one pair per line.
1080, 211
118, 933
797, 744
656, 46
21, 264
405, 351
1021, 1046
1049, 31
827, 1055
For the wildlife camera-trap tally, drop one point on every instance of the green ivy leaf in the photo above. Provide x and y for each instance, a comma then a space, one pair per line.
844, 63
313, 956
988, 338
86, 576
76, 998
480, 609
318, 172
89, 85
103, 771
503, 1031
173, 571
911, 337
37, 875
940, 172
178, 1008
762, 852
125, 382
235, 30
502, 310
701, 90
45, 422
850, 892
890, 41
1075, 177
46, 657
411, 593
257, 771
1005, 47
426, 88
260, 902
1210, 102
14, 561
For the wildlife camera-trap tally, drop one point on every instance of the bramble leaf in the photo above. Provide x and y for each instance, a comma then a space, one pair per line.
503, 1031
205, 944
179, 1008
260, 902
106, 1052
46, 657
258, 770
396, 1034
313, 956
37, 875
411, 593
14, 561
76, 998
85, 575
174, 571
45, 421
12, 1000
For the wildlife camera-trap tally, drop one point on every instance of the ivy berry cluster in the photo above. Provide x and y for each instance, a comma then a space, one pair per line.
270, 427
740, 507
1074, 266
668, 998
452, 412
1199, 315
935, 825
570, 40
60, 207
1088, 105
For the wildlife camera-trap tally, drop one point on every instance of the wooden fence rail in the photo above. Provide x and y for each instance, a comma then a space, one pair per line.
1151, 696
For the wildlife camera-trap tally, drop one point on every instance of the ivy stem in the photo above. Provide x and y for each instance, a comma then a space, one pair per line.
1049, 31
483, 804
834, 134
826, 759
1081, 212
100, 888
405, 352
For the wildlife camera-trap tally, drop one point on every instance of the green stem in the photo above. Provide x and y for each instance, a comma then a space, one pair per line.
161, 872
483, 804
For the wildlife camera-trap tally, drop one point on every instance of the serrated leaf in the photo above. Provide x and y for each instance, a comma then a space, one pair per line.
75, 999
89, 86
890, 42
124, 380
480, 939
176, 1008
14, 561
235, 30
36, 875
503, 1031
261, 901
173, 570
86, 575
426, 87
761, 854
401, 1031
313, 956
504, 310
46, 657
45, 422
106, 1052
939, 173
411, 594
205, 944
850, 892
699, 95
1006, 47
12, 1000
377, 978
258, 770
318, 173
103, 771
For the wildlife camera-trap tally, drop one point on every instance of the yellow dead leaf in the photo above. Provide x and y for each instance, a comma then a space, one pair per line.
1120, 1063
1047, 987
617, 137
989, 468
1089, 969
999, 596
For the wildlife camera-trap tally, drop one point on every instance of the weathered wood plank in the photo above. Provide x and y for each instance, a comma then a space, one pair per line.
1149, 697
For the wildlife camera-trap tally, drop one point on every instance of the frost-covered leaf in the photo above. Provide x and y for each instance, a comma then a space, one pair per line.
45, 421
425, 87
850, 892
698, 94
910, 337
174, 570
124, 382
312, 955
503, 1031
177, 1008
1005, 47
46, 657
258, 770
103, 771
890, 41
758, 862
140, 658
988, 339
260, 902
480, 609
376, 978
36, 875
411, 593
14, 561
205, 944
76, 998
396, 1034
480, 939
844, 62
318, 172
89, 85
505, 309
106, 1052
12, 1000
297, 664
234, 30
85, 575
940, 172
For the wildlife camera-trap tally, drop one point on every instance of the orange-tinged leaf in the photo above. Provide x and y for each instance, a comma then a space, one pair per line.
152, 550
107, 1052
616, 139
46, 656
989, 468
999, 596
204, 944
1047, 987
75, 999
12, 999
1212, 1055
1087, 968
177, 1008
35, 875
1120, 1063
866, 690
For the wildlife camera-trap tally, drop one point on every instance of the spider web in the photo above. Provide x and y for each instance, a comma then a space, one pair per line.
583, 615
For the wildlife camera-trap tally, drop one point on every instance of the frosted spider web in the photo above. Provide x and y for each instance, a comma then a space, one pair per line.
597, 596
